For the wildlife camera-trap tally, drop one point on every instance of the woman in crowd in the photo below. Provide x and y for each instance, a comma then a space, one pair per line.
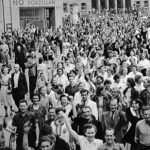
129, 93
133, 114
38, 110
5, 90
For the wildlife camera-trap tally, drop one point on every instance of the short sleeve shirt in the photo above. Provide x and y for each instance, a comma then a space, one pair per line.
85, 145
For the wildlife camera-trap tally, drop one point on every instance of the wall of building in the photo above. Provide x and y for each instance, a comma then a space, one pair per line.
79, 2
142, 5
12, 10
1, 18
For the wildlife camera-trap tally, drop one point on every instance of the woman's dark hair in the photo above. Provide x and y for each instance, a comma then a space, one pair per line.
139, 102
107, 82
36, 94
89, 126
40, 60
117, 76
100, 78
5, 66
99, 90
63, 95
73, 71
131, 82
137, 77
57, 110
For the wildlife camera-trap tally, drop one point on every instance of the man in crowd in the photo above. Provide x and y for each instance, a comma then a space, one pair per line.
142, 131
19, 85
19, 120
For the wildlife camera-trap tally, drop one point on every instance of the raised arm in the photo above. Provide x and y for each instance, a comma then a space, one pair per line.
71, 131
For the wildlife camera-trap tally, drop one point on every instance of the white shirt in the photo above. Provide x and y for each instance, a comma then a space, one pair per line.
93, 106
63, 80
85, 145
144, 63
16, 78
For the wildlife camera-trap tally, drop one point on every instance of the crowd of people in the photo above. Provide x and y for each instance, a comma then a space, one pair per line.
88, 83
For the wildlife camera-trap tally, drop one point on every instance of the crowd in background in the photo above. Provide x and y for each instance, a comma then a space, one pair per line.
88, 83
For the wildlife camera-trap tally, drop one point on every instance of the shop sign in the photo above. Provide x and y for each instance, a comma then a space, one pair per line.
31, 3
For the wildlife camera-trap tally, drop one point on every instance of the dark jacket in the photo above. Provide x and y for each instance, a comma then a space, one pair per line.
129, 136
145, 97
22, 84
79, 123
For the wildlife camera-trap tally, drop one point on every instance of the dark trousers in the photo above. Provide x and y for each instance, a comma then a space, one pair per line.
32, 85
143, 147
16, 96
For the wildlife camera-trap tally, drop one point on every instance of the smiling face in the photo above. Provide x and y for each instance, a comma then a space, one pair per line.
64, 101
113, 105
135, 105
90, 134
36, 99
5, 71
109, 136
86, 113
147, 115
23, 107
46, 145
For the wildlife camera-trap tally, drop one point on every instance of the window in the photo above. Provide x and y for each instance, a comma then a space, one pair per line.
138, 3
65, 7
83, 7
145, 3
71, 9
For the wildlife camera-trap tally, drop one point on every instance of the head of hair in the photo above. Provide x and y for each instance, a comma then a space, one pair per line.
5, 66
51, 108
63, 95
89, 126
84, 91
73, 71
110, 129
46, 130
40, 60
46, 139
100, 78
57, 110
84, 107
36, 94
117, 76
23, 101
99, 90
107, 82
137, 77
131, 82
138, 101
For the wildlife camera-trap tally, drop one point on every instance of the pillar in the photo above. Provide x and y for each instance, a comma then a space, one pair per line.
115, 5
123, 5
99, 5
107, 4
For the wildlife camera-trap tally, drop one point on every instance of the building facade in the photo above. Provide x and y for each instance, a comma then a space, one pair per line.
121, 4
76, 8
17, 14
141, 4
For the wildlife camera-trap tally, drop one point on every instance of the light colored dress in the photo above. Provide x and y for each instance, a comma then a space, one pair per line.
5, 97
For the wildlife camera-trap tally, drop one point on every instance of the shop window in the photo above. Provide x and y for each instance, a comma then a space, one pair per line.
65, 7
83, 6
145, 3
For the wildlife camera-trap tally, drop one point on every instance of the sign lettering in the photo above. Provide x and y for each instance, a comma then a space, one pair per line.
31, 3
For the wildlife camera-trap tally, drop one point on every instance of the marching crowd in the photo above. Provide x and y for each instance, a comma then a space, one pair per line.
89, 84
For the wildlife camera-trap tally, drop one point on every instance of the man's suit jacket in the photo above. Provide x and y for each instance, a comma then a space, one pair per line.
22, 84
117, 123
